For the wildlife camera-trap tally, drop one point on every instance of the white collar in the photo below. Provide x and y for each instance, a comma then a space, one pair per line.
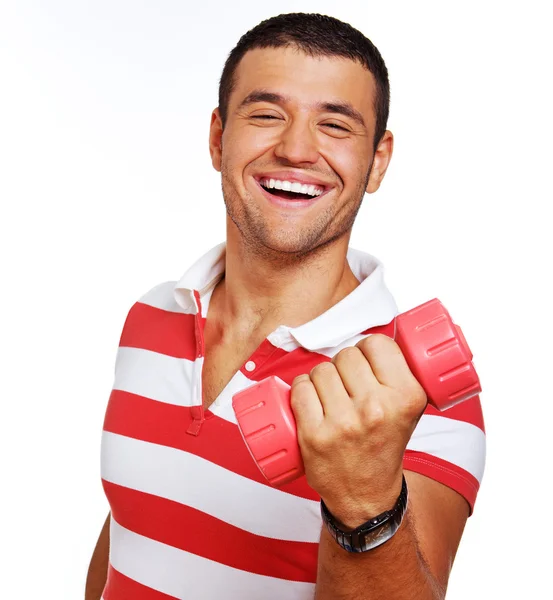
371, 304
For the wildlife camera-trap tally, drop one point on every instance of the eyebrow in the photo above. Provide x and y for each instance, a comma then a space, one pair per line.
340, 108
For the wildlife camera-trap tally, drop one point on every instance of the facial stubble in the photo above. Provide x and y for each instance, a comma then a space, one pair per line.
286, 246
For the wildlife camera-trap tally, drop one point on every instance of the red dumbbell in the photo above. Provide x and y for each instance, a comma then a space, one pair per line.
435, 350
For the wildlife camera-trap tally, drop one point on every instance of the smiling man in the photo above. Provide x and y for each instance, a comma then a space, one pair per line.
299, 137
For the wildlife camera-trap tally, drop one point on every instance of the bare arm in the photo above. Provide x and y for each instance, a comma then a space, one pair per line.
98, 569
414, 565
355, 417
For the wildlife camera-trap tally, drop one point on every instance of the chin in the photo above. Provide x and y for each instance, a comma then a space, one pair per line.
292, 246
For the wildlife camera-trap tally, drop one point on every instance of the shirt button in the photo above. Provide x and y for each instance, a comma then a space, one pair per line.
250, 366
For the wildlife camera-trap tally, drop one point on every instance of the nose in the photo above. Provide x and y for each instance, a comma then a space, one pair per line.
297, 143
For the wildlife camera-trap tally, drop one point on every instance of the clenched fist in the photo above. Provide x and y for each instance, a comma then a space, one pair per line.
355, 416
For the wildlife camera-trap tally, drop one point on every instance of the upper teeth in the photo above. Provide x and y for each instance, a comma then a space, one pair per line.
289, 186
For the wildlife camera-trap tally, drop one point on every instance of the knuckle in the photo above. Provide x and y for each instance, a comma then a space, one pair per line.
420, 397
300, 379
416, 400
374, 342
348, 429
300, 393
366, 343
322, 367
374, 415
320, 443
347, 354
296, 395
348, 425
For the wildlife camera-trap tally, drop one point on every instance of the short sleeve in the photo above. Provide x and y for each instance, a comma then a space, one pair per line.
450, 447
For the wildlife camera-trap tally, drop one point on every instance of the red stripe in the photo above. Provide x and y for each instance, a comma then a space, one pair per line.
196, 532
270, 360
121, 587
160, 330
444, 472
286, 365
219, 441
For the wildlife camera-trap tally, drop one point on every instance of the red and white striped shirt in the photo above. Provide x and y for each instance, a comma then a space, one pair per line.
191, 515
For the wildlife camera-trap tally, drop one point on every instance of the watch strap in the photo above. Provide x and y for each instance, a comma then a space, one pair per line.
374, 532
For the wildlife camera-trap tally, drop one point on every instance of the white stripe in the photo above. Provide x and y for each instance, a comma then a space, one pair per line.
184, 575
157, 376
177, 381
457, 442
196, 482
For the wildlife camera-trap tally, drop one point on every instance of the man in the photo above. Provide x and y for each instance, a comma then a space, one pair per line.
299, 136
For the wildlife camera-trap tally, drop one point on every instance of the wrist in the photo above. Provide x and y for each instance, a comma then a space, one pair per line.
351, 513
372, 533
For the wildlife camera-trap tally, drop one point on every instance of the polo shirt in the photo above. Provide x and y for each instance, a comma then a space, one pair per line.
191, 515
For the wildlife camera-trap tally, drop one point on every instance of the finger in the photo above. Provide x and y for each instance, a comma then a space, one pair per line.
356, 372
305, 404
387, 361
333, 396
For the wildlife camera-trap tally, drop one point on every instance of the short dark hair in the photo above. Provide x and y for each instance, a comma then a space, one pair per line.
315, 35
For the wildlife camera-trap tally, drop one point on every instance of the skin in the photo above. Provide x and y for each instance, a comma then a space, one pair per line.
355, 414
276, 257
287, 265
98, 569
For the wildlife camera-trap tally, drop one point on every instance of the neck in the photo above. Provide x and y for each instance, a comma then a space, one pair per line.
262, 290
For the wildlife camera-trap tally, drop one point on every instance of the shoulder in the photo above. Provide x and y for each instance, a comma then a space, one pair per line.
157, 304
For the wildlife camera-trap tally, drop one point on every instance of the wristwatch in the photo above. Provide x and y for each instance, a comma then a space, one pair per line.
371, 534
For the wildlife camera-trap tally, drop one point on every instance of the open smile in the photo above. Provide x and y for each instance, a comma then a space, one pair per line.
290, 194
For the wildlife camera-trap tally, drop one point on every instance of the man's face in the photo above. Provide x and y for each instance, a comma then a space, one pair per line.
294, 120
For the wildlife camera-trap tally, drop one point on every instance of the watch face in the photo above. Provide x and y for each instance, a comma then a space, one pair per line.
372, 539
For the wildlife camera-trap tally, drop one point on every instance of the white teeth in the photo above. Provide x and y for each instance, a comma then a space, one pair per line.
289, 186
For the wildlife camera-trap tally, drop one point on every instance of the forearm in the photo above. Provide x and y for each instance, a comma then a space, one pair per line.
98, 569
394, 571
96, 578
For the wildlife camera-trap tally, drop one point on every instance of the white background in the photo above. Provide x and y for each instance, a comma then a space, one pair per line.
106, 189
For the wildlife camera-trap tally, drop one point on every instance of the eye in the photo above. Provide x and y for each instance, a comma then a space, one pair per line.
264, 117
335, 126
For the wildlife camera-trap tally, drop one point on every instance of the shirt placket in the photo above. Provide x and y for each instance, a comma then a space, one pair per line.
197, 408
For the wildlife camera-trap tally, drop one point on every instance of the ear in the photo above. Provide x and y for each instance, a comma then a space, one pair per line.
382, 158
216, 139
